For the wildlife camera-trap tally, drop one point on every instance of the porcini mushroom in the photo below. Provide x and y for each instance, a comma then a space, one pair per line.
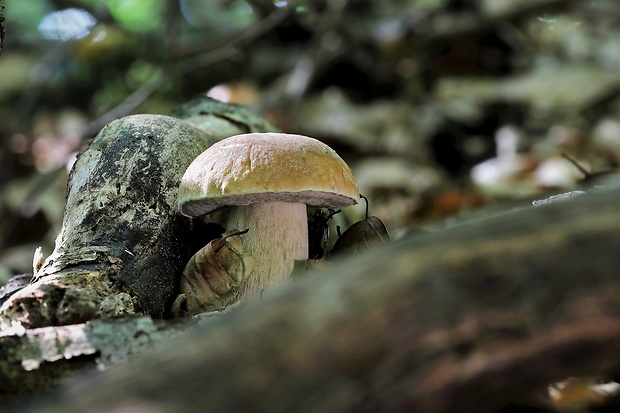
268, 179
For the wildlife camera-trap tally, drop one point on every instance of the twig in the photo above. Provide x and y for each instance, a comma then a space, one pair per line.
576, 165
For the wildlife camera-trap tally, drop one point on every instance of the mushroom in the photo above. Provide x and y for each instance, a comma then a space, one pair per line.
267, 179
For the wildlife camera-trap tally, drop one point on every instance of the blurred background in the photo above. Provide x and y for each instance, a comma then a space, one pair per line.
440, 106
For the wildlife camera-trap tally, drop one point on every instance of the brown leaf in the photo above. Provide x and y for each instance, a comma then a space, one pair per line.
578, 394
212, 276
360, 236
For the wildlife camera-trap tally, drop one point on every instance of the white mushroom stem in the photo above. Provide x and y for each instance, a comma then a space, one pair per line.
277, 236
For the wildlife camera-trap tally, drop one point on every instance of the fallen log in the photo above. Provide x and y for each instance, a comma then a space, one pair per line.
465, 319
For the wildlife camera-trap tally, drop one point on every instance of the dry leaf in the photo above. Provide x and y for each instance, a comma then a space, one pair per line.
581, 394
360, 236
212, 277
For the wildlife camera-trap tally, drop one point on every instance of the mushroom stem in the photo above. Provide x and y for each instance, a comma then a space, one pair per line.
277, 236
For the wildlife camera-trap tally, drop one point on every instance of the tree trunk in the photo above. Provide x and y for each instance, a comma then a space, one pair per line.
1, 26
464, 319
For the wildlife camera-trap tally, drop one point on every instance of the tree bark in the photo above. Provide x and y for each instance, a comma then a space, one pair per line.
464, 319
122, 245
40, 358
1, 26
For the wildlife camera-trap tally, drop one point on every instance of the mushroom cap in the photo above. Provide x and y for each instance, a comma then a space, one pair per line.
266, 167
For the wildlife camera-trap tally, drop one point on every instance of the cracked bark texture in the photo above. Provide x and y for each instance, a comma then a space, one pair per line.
41, 357
1, 26
468, 318
122, 245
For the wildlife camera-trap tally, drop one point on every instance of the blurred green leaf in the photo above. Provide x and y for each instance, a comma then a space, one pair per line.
138, 15
140, 72
15, 71
23, 17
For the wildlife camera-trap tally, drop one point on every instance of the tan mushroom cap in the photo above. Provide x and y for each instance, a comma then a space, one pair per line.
266, 167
